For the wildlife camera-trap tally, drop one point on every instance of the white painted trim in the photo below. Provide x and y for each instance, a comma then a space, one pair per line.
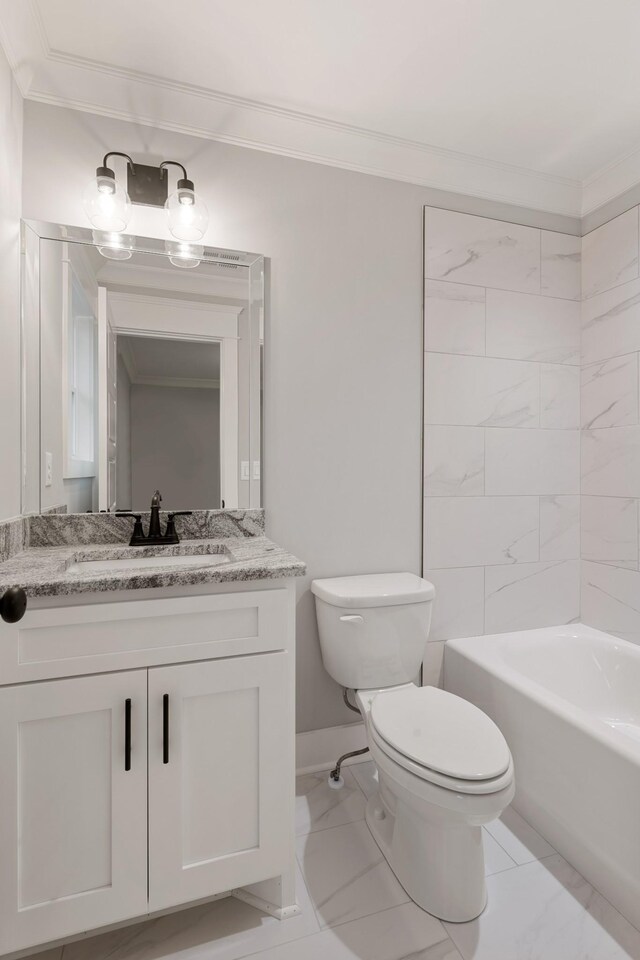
319, 749
51, 76
609, 182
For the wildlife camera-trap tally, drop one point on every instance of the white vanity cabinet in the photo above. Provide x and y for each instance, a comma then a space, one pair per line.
146, 758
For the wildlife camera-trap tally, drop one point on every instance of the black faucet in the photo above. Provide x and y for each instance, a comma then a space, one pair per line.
154, 537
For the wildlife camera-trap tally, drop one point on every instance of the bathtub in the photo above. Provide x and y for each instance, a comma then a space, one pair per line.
567, 699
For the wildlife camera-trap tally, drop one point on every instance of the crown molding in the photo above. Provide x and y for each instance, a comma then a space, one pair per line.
51, 76
611, 181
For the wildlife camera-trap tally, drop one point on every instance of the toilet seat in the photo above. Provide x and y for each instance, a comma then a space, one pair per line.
441, 738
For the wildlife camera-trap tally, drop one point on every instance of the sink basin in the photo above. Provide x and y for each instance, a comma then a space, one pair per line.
147, 563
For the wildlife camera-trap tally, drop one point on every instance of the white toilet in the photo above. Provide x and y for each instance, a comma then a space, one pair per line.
444, 768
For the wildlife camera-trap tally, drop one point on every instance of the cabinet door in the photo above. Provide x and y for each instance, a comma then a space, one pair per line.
219, 813
73, 818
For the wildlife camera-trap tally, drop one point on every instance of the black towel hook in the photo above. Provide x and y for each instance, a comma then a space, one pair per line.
13, 604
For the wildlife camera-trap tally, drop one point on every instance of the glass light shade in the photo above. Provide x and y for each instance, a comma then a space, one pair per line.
187, 214
114, 246
185, 255
107, 204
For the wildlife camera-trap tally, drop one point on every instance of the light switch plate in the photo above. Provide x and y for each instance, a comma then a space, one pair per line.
256, 469
244, 470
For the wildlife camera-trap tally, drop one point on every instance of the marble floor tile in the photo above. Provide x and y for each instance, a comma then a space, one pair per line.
366, 776
401, 933
518, 838
545, 911
319, 807
496, 858
346, 874
54, 954
224, 930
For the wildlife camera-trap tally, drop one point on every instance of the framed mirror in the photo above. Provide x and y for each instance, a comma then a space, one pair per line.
142, 370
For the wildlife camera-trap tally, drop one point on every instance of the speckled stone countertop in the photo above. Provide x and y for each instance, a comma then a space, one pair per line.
45, 571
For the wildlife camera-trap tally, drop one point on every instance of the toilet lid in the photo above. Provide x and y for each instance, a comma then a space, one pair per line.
441, 731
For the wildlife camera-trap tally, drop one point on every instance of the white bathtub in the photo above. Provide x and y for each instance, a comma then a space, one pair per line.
567, 699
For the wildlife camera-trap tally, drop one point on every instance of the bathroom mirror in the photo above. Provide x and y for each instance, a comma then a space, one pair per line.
142, 370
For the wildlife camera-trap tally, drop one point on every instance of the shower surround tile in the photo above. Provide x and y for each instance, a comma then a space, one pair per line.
477, 250
481, 391
611, 462
610, 530
611, 323
480, 531
561, 265
502, 420
522, 326
559, 396
454, 318
454, 461
459, 609
609, 392
532, 462
559, 528
530, 595
611, 599
610, 254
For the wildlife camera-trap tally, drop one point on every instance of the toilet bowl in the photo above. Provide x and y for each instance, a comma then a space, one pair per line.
427, 822
444, 768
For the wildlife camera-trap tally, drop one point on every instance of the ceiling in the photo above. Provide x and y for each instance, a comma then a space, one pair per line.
151, 360
537, 103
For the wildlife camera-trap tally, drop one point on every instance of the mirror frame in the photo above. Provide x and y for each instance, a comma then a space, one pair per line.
34, 231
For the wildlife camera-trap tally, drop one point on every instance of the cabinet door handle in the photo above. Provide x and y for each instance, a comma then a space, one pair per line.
127, 734
165, 728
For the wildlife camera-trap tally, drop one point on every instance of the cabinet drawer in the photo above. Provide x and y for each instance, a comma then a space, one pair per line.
68, 641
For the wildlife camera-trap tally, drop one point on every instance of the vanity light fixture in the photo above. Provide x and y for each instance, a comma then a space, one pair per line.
108, 205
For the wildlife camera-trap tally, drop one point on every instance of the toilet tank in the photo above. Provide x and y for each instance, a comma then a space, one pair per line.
373, 629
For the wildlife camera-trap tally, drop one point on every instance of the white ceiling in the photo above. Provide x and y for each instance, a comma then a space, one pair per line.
152, 359
531, 102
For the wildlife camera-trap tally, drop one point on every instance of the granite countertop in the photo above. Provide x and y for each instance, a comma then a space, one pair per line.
45, 571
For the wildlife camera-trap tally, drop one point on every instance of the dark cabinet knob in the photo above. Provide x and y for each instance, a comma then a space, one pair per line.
13, 605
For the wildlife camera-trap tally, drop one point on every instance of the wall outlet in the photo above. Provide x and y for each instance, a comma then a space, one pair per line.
48, 470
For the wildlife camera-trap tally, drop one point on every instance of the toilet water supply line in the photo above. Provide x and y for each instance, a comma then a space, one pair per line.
336, 782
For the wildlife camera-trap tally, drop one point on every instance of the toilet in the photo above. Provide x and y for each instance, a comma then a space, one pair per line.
444, 768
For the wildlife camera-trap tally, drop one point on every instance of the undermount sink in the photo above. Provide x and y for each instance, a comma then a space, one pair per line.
146, 563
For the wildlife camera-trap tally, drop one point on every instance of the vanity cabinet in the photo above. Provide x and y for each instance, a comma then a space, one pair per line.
132, 791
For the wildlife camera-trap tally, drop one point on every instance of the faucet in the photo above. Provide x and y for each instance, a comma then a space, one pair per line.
154, 537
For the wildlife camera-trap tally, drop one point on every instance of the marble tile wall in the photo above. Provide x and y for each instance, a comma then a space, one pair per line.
610, 421
502, 425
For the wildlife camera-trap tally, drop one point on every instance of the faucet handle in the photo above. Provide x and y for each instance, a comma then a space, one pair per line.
138, 533
170, 534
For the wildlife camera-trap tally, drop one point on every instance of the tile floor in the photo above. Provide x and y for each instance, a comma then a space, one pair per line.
353, 908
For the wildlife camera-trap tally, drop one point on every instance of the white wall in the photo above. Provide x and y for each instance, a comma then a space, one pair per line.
342, 467
502, 443
611, 426
175, 446
10, 205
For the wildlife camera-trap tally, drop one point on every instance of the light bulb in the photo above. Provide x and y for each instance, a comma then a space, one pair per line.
113, 246
187, 213
106, 202
185, 255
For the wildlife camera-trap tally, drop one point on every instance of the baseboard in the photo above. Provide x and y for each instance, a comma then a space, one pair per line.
319, 749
